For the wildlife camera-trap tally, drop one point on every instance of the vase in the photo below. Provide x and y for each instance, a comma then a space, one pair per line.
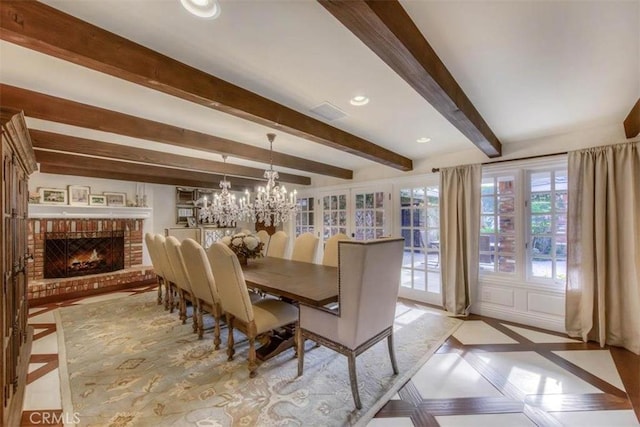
242, 259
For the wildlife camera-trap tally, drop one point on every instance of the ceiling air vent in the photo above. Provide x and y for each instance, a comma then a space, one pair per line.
328, 112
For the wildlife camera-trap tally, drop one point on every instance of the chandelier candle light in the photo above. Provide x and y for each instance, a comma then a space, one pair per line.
271, 206
223, 210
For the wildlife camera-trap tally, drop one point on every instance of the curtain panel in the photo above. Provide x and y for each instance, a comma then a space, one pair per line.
603, 282
459, 235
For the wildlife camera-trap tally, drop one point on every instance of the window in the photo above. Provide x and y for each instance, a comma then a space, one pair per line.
304, 217
523, 223
420, 228
369, 215
547, 225
498, 224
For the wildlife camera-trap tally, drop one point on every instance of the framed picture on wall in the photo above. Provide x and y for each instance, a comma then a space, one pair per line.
97, 200
78, 195
116, 199
53, 196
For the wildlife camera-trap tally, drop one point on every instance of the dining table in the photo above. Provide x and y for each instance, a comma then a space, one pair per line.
295, 282
304, 282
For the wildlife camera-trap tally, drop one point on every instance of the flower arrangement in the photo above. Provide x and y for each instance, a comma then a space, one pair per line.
245, 246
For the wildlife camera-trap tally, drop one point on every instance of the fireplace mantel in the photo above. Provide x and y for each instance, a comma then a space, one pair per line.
68, 211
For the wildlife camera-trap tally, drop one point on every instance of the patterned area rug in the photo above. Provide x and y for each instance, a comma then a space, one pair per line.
127, 362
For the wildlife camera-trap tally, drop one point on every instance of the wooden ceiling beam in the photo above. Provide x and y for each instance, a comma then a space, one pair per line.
632, 122
45, 29
386, 28
127, 168
71, 144
93, 173
47, 107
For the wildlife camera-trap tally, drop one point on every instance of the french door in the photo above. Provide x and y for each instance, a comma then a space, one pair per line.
371, 216
420, 227
334, 211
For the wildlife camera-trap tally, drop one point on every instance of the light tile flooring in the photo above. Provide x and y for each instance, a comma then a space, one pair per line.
489, 373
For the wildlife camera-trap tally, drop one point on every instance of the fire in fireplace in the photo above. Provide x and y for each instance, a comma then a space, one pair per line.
83, 253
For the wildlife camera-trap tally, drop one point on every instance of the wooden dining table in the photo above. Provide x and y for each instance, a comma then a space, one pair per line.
299, 282
312, 284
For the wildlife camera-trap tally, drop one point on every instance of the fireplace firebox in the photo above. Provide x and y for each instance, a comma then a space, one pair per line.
81, 253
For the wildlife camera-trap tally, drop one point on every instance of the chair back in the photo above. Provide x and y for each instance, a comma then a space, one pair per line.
330, 256
369, 280
264, 238
304, 248
151, 248
278, 244
199, 272
163, 257
234, 296
176, 260
245, 231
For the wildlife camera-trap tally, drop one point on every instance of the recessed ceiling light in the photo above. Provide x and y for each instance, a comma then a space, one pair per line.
423, 140
359, 100
202, 8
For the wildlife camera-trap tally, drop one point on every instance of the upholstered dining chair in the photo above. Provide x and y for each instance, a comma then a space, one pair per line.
304, 248
264, 238
185, 293
157, 268
278, 244
368, 282
169, 278
251, 319
330, 257
203, 286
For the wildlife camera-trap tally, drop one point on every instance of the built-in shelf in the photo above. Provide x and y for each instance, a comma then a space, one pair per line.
69, 211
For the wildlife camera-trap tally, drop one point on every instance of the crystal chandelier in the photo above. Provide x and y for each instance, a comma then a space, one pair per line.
224, 209
272, 205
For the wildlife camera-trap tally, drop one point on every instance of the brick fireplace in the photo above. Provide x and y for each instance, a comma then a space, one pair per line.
128, 236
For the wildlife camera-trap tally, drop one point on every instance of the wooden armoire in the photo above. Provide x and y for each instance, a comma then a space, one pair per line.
18, 162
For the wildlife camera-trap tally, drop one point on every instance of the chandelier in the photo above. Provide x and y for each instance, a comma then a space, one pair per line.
223, 209
272, 204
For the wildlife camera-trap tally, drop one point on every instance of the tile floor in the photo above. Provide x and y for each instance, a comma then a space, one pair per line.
489, 373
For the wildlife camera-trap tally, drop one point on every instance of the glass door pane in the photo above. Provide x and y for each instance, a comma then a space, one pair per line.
370, 217
334, 209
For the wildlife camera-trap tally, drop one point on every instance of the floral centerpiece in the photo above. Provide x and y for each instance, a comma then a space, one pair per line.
245, 246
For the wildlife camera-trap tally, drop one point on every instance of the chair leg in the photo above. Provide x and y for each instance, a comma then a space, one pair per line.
392, 353
230, 350
354, 380
253, 365
183, 307
194, 313
200, 321
159, 279
300, 351
216, 332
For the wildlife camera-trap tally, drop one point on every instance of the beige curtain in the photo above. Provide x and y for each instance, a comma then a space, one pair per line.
459, 231
603, 283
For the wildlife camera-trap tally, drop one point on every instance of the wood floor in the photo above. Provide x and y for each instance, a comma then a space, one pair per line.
513, 404
489, 373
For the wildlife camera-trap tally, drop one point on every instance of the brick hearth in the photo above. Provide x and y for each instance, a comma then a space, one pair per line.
134, 272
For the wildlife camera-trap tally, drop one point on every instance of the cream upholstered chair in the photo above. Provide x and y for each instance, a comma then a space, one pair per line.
278, 244
252, 319
203, 286
185, 293
368, 282
264, 238
169, 278
157, 268
330, 256
304, 248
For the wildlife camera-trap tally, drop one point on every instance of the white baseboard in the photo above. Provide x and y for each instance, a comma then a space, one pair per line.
545, 322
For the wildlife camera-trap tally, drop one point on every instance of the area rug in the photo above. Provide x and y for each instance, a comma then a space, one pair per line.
127, 362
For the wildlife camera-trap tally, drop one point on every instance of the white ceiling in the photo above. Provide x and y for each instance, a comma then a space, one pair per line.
531, 68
